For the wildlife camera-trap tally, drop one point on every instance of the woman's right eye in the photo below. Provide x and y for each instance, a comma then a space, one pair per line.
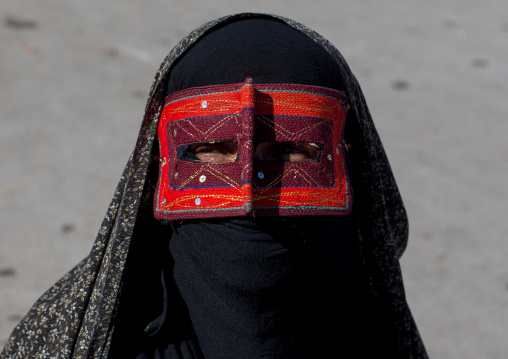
204, 149
215, 151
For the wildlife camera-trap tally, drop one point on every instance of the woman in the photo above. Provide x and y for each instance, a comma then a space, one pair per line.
275, 227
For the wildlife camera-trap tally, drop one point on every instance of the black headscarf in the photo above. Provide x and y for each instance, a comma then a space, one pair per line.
266, 50
127, 292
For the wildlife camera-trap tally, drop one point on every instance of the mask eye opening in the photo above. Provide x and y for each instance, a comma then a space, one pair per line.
288, 151
223, 151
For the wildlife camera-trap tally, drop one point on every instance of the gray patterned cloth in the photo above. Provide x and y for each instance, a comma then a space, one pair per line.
76, 317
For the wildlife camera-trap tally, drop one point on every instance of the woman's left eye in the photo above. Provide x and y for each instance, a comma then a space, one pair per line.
290, 148
287, 151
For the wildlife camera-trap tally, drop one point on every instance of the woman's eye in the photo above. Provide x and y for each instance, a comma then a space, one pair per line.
290, 148
205, 149
214, 152
287, 151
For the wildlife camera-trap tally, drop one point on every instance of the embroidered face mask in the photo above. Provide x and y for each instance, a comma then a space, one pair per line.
252, 149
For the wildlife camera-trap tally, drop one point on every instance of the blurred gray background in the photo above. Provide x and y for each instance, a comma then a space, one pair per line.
74, 76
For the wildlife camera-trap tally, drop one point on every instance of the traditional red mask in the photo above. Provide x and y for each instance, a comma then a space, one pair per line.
280, 146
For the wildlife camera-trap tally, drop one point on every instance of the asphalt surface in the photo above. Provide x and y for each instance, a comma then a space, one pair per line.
74, 76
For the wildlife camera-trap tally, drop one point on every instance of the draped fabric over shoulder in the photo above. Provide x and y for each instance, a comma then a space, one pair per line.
85, 315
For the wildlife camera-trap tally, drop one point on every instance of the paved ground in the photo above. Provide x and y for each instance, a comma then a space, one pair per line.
73, 80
